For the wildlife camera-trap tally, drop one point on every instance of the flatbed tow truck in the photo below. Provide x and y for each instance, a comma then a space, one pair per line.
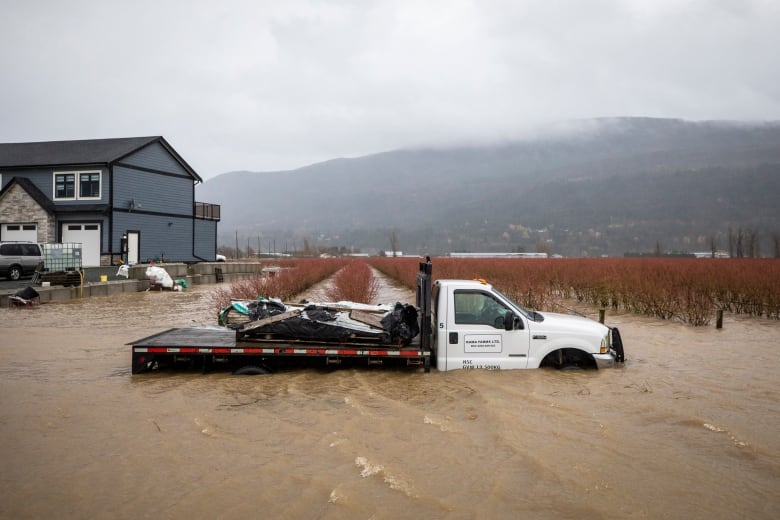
462, 324
209, 347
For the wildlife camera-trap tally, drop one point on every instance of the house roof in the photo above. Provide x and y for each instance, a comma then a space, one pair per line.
36, 194
86, 151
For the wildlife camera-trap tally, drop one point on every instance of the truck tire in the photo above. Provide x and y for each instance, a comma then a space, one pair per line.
250, 370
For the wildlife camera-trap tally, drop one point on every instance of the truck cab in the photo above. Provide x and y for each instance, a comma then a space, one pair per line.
475, 326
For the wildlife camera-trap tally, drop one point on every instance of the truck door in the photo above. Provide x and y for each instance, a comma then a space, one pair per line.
476, 336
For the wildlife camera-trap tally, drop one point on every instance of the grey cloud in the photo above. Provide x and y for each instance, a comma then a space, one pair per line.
276, 85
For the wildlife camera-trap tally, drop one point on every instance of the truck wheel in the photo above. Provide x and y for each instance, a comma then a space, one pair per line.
250, 370
14, 272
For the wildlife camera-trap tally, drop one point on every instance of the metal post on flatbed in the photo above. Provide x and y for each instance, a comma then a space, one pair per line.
424, 302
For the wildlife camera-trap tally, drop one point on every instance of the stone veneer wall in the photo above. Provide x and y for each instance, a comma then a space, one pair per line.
18, 207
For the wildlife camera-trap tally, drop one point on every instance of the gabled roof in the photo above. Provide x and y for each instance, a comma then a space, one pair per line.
86, 151
36, 194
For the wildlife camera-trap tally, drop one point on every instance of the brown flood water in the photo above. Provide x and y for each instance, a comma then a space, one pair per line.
687, 429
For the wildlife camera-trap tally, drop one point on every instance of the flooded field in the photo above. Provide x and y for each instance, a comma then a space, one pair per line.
687, 429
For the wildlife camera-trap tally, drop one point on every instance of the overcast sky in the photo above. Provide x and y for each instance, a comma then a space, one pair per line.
270, 85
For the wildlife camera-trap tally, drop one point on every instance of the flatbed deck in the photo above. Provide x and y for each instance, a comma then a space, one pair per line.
206, 347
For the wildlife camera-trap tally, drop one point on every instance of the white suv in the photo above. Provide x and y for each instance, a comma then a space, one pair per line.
19, 259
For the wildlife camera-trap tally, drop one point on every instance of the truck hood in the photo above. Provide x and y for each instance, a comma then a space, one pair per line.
555, 323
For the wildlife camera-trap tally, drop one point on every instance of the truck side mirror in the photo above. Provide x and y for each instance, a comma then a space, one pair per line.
509, 320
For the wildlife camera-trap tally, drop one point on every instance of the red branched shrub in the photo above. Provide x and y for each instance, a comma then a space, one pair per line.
355, 282
290, 279
689, 290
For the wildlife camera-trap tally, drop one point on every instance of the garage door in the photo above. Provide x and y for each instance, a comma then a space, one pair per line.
19, 232
88, 235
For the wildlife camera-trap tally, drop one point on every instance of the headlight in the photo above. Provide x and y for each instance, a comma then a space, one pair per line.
604, 345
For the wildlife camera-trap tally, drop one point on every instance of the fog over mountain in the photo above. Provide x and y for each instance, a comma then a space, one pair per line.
586, 188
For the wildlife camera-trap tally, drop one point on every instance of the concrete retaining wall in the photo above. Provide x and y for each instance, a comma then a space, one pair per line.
195, 274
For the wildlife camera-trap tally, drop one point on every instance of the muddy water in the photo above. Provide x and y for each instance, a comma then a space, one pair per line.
687, 429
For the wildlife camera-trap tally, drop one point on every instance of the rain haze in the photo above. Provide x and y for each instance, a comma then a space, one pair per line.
261, 85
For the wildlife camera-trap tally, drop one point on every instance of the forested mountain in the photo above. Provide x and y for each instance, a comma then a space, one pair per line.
595, 187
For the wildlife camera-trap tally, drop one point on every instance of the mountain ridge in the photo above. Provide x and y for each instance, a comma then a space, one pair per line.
439, 200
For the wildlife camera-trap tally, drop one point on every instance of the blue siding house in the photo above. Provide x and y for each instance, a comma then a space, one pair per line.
129, 198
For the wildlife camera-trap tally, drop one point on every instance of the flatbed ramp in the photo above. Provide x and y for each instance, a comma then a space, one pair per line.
209, 347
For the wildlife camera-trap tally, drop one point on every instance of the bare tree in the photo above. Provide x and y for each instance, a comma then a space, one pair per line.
776, 244
394, 242
739, 246
732, 243
752, 244
543, 247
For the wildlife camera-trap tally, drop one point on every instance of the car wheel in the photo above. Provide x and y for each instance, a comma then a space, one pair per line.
14, 272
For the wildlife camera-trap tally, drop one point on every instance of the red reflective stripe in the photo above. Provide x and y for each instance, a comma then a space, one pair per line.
280, 351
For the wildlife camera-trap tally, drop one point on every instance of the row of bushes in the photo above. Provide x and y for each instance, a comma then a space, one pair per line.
690, 290
355, 283
352, 281
283, 279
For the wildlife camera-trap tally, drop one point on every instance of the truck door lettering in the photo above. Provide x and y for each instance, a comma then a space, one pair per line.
482, 343
468, 364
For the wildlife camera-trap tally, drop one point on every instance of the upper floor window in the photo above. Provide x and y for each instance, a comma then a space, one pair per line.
89, 185
64, 185
77, 185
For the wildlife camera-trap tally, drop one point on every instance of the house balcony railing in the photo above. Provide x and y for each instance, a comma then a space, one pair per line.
207, 211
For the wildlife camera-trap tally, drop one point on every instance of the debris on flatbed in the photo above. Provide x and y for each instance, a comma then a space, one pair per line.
387, 325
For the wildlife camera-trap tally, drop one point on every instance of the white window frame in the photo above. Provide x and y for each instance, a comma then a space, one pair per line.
77, 187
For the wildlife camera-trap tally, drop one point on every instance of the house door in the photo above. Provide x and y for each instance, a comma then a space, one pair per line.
133, 247
86, 234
